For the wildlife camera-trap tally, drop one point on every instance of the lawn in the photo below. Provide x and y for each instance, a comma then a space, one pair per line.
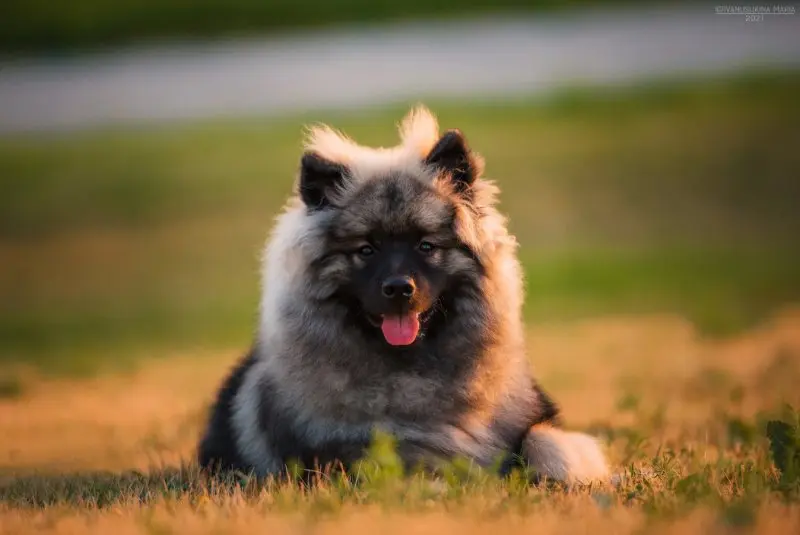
686, 421
658, 228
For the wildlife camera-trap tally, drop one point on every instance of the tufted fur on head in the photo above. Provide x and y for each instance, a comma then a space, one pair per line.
419, 132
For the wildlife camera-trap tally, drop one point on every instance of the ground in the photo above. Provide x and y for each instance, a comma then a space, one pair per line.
681, 415
658, 230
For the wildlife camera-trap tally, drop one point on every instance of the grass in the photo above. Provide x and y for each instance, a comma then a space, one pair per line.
700, 432
721, 290
36, 26
673, 198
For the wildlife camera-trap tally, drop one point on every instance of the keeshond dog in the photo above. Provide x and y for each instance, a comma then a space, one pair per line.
391, 301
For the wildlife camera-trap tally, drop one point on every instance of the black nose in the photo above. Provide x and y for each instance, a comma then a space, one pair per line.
396, 287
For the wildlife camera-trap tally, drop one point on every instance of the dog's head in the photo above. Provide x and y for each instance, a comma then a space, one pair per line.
397, 225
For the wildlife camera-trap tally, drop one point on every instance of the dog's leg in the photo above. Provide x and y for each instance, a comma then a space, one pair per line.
565, 456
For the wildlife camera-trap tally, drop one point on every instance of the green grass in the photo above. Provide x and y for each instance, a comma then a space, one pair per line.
38, 25
676, 198
721, 290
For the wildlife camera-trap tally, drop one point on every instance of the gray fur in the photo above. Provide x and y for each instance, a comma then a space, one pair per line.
318, 382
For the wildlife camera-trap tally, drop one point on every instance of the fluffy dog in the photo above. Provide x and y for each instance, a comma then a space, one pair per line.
391, 301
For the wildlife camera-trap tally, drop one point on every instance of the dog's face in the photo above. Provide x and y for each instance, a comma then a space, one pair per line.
396, 237
392, 250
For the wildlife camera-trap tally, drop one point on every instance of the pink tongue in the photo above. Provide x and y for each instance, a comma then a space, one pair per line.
400, 330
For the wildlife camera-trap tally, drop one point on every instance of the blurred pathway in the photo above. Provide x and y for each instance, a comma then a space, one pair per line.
375, 65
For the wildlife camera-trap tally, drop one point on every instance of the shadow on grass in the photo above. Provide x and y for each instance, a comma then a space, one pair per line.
100, 489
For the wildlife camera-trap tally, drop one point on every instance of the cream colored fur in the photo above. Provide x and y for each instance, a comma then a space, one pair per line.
565, 455
419, 132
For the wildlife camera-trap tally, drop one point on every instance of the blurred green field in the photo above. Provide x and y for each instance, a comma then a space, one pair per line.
39, 25
677, 198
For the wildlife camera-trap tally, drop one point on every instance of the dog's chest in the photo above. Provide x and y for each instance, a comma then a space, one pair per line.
400, 396
340, 411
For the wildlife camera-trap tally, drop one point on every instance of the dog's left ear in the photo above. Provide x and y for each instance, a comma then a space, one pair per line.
452, 155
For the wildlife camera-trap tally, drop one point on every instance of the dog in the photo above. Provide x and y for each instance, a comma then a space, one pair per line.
391, 301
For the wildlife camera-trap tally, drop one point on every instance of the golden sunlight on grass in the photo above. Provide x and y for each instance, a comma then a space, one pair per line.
645, 384
152, 416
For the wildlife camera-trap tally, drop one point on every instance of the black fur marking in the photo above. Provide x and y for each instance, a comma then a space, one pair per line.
548, 409
393, 195
543, 411
452, 154
318, 178
218, 449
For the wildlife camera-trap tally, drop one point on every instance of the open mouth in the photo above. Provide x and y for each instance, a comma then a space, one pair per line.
400, 329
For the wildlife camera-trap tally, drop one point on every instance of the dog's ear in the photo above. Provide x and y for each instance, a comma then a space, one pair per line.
319, 179
452, 155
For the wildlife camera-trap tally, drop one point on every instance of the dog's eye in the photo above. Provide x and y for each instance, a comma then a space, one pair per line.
366, 250
426, 247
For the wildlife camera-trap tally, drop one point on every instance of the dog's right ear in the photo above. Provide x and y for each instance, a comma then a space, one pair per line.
319, 178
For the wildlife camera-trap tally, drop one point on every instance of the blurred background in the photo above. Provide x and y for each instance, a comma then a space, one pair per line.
647, 155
